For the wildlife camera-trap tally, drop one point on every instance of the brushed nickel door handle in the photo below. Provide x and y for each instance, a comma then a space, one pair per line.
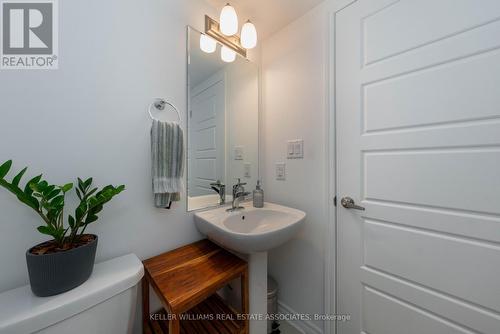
349, 203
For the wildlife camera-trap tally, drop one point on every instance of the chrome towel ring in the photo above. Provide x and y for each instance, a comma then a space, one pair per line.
159, 104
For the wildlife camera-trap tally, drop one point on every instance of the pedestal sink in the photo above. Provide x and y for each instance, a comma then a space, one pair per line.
250, 230
250, 233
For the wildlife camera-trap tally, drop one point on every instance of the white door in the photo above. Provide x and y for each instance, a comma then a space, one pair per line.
418, 126
206, 136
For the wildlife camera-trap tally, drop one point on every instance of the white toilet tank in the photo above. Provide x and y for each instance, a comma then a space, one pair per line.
105, 304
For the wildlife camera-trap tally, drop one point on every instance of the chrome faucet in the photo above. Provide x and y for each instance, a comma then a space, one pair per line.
239, 193
220, 189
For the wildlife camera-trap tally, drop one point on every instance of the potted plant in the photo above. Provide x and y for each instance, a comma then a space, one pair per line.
67, 260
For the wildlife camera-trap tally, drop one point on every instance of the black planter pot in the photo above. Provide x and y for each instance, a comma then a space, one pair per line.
51, 274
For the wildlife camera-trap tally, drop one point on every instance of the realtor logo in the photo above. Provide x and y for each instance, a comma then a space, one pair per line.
29, 34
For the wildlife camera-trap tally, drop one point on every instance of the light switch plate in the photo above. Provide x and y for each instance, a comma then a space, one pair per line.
290, 149
299, 149
248, 168
238, 153
280, 171
295, 149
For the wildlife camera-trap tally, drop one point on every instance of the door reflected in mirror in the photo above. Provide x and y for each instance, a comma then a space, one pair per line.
223, 124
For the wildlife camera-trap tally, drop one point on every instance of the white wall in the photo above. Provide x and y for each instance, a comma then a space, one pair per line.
242, 128
89, 119
295, 99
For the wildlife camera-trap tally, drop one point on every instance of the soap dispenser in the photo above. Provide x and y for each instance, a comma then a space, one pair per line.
258, 196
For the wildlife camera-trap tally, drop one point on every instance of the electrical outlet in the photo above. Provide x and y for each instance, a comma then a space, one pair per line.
248, 168
280, 172
238, 153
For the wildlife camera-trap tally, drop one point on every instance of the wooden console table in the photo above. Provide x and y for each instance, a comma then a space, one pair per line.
186, 281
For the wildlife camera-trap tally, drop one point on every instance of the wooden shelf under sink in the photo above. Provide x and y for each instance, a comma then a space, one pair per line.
186, 281
212, 316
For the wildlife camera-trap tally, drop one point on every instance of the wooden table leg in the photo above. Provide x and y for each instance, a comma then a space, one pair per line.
245, 299
174, 326
145, 302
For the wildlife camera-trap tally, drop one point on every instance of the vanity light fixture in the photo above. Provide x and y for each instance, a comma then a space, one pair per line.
212, 29
228, 20
227, 54
226, 33
248, 35
207, 44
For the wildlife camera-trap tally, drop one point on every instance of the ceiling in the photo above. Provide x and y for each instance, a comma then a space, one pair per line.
268, 16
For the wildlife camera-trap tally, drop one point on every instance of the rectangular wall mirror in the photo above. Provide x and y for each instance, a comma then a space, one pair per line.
223, 124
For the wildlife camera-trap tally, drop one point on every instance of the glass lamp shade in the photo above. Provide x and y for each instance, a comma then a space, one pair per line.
227, 55
207, 44
228, 21
248, 35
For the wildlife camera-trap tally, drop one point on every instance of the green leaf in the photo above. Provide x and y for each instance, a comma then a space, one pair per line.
90, 193
48, 230
57, 201
33, 203
29, 200
71, 221
81, 185
88, 183
52, 215
67, 187
4, 168
53, 194
80, 211
96, 209
92, 201
90, 219
41, 186
26, 199
19, 176
57, 233
48, 190
27, 189
79, 194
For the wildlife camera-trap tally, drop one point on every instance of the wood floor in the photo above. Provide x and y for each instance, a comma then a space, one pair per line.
209, 317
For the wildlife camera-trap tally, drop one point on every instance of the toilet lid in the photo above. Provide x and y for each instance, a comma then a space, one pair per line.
22, 312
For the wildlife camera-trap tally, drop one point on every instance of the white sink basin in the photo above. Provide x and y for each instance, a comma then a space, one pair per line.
250, 230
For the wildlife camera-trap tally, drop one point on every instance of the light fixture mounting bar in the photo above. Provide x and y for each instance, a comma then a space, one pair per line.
212, 29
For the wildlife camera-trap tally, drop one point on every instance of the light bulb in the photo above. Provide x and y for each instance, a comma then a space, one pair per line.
227, 54
248, 35
207, 44
228, 21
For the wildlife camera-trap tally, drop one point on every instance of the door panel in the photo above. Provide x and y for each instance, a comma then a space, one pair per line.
400, 27
413, 319
450, 264
429, 178
207, 137
418, 145
443, 95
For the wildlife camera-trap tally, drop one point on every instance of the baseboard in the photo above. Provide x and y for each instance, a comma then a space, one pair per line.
303, 326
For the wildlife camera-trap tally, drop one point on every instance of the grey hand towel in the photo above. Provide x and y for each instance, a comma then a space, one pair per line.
167, 154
